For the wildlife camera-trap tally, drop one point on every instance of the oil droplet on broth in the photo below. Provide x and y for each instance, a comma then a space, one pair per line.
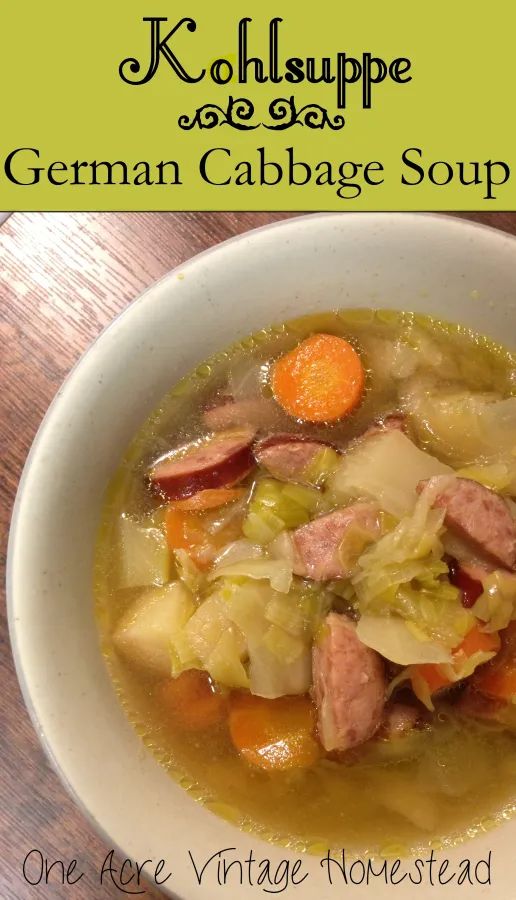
203, 371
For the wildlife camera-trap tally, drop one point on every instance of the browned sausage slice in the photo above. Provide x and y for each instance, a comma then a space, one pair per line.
287, 455
221, 461
316, 544
349, 686
481, 516
395, 421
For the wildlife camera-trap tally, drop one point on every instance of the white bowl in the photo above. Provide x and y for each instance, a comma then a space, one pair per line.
444, 266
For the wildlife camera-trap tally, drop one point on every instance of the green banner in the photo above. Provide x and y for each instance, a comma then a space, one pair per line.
285, 105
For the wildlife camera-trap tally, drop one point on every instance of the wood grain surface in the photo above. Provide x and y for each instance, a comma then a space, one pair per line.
63, 277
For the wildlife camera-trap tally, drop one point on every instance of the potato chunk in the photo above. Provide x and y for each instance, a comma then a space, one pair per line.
144, 634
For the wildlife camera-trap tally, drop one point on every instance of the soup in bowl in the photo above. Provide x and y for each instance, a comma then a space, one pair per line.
304, 575
306, 581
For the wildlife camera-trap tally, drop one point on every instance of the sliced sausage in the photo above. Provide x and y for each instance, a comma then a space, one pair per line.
287, 455
317, 544
395, 421
256, 413
219, 462
481, 516
349, 686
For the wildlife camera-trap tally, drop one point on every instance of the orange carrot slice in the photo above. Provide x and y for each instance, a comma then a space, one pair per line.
432, 675
476, 641
191, 701
320, 380
274, 734
184, 531
208, 499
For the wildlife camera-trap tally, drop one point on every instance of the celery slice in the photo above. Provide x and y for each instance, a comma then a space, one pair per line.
306, 497
322, 466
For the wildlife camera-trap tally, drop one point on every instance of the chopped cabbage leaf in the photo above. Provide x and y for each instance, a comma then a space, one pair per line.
461, 550
353, 544
245, 602
496, 606
496, 476
421, 689
463, 666
403, 357
237, 550
271, 677
182, 656
466, 429
246, 634
300, 613
448, 422
225, 517
282, 547
188, 571
215, 641
276, 505
207, 625
277, 571
404, 574
283, 645
391, 637
225, 660
386, 467
144, 554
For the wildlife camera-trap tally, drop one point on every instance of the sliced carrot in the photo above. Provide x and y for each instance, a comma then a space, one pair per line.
320, 380
185, 532
476, 641
191, 701
432, 675
208, 499
274, 734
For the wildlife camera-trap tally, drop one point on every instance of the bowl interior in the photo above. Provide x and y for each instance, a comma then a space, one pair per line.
443, 266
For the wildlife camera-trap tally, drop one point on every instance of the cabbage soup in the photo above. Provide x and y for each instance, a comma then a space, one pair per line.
306, 582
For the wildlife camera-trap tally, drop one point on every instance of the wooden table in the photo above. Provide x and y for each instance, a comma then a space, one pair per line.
63, 277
